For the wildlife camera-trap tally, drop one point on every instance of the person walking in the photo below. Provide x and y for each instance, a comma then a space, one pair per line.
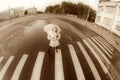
53, 34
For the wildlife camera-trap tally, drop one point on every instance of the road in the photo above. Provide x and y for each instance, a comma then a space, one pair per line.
82, 54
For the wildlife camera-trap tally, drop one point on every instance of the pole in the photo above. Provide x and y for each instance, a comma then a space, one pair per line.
87, 15
114, 16
9, 13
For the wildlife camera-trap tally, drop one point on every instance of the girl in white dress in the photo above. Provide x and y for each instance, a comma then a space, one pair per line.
53, 36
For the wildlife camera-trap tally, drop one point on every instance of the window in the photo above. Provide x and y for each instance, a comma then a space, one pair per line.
107, 21
100, 9
118, 26
97, 19
119, 12
110, 9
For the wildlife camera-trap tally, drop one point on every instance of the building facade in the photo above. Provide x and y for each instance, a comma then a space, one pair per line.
108, 15
32, 11
7, 14
19, 12
12, 13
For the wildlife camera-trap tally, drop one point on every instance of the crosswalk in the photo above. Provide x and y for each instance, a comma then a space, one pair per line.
38, 66
59, 74
101, 50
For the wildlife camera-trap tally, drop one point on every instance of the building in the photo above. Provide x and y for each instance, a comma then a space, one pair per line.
4, 15
108, 15
32, 11
19, 12
11, 12
7, 14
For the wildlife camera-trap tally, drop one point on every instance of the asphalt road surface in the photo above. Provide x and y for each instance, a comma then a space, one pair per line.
82, 54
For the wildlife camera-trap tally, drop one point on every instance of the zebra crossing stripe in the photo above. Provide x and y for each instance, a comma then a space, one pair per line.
106, 43
102, 48
59, 74
1, 58
4, 69
19, 67
103, 45
38, 66
100, 51
90, 62
77, 65
97, 57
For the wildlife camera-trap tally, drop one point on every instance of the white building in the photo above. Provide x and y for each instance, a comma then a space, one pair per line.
9, 13
108, 15
12, 13
32, 11
4, 15
19, 11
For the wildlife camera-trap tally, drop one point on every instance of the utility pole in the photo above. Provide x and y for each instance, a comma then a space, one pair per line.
114, 16
9, 13
88, 14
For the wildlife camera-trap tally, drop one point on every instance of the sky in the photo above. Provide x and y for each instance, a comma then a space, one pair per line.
41, 4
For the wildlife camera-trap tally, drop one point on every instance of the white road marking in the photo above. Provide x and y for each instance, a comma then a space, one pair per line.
102, 48
90, 62
77, 65
108, 61
19, 67
103, 45
106, 43
97, 57
99, 60
1, 58
59, 74
4, 69
38, 66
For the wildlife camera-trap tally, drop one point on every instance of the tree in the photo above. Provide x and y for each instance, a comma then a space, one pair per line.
81, 10
26, 12
92, 15
49, 9
57, 9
